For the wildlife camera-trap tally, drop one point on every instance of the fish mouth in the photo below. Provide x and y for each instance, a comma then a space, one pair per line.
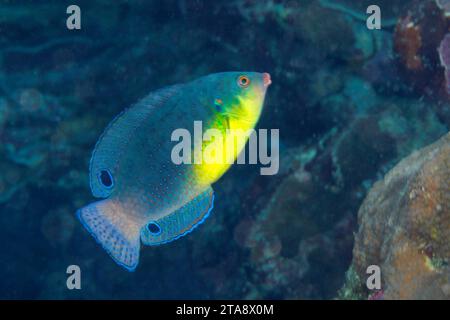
266, 79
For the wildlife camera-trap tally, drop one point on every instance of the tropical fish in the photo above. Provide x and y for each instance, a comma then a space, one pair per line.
146, 197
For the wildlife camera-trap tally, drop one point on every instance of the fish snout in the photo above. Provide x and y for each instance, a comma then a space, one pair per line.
266, 79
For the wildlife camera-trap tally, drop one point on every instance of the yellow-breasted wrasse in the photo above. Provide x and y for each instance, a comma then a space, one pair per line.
148, 198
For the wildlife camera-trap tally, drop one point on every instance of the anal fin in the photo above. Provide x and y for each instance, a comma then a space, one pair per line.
179, 222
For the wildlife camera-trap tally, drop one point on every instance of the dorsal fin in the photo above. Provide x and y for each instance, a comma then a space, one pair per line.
114, 140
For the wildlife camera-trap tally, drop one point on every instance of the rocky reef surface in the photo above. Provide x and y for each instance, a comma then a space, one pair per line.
404, 228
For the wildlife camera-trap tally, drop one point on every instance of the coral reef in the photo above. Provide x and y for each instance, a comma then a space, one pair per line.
404, 228
417, 36
444, 54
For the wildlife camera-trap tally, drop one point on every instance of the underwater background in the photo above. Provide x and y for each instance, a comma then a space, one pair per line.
350, 104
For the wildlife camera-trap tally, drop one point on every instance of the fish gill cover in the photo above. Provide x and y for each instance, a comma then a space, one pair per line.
349, 102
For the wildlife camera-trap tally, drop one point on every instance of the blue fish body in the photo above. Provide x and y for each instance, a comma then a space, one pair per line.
145, 196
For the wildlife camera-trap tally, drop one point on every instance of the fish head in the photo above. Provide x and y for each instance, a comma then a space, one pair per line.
239, 95
234, 101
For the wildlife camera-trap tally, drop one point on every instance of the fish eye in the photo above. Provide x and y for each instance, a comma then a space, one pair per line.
243, 81
154, 228
106, 179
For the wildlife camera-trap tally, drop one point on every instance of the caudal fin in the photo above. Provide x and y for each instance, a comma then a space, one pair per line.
114, 230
